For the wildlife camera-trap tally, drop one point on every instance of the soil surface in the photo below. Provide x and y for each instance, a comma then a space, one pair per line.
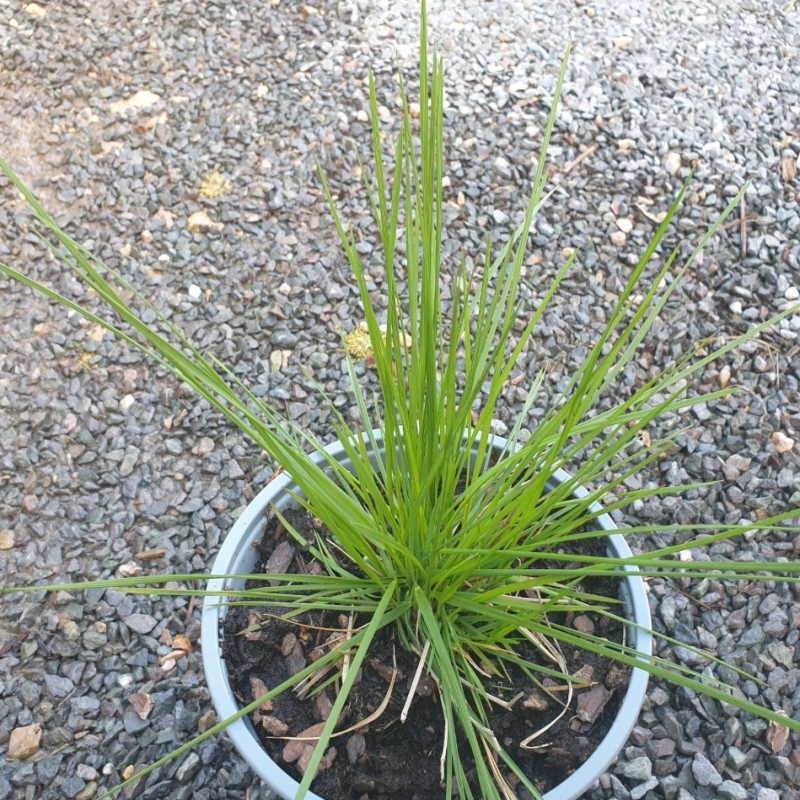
373, 761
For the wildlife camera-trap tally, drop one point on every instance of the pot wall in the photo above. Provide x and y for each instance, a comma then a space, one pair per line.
238, 556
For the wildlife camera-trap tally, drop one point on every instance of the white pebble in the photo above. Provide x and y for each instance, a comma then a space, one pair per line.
195, 292
792, 293
625, 224
672, 162
735, 307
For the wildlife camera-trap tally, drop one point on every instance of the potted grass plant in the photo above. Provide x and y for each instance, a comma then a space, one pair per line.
462, 559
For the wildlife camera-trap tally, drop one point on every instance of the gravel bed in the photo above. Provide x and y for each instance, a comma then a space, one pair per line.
118, 113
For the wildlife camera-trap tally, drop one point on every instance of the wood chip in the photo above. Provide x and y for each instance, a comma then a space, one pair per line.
325, 763
253, 621
789, 169
257, 689
385, 671
322, 706
585, 674
288, 643
150, 555
308, 737
296, 660
6, 539
274, 726
317, 653
356, 747
616, 677
583, 623
278, 563
724, 377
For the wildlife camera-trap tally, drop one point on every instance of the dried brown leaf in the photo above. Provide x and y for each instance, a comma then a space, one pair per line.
181, 642
789, 169
777, 736
201, 221
142, 704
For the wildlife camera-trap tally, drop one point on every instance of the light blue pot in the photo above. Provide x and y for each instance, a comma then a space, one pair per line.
239, 556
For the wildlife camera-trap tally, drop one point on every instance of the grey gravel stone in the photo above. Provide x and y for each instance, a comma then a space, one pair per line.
643, 788
72, 786
141, 623
58, 686
732, 790
48, 767
638, 769
133, 722
736, 757
705, 773
753, 634
189, 768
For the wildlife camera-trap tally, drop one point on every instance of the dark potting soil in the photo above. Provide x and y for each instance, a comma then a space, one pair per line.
387, 759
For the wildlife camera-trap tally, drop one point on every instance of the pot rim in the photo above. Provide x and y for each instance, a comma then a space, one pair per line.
236, 548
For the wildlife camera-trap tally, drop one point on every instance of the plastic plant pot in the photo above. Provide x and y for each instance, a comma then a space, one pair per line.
239, 556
